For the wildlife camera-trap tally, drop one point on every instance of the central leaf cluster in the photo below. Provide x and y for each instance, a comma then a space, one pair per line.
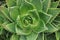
28, 20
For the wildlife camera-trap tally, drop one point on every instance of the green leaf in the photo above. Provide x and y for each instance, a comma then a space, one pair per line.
11, 3
57, 23
14, 12
57, 35
41, 27
51, 28
19, 2
57, 19
50, 37
32, 36
45, 17
37, 4
46, 5
54, 4
22, 38
5, 12
9, 27
20, 31
58, 26
28, 1
1, 20
1, 30
40, 36
54, 12
14, 37
25, 8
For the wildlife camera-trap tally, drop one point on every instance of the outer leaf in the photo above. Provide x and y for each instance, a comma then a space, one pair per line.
5, 12
14, 12
37, 4
25, 8
51, 28
46, 5
41, 27
57, 35
28, 0
22, 38
54, 4
58, 26
20, 31
20, 2
57, 19
1, 30
9, 27
54, 12
40, 36
32, 36
1, 20
55, 22
14, 37
50, 37
11, 3
45, 17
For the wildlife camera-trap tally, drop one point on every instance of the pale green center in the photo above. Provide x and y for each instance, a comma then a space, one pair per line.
28, 20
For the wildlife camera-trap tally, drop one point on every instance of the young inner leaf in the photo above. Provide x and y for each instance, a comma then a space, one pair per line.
28, 20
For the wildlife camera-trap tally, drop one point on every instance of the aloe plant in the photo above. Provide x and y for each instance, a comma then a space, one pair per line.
31, 19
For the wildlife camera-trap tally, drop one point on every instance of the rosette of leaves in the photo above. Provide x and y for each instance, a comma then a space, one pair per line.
30, 19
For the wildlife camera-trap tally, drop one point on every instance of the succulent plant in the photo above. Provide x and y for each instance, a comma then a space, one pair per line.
31, 19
